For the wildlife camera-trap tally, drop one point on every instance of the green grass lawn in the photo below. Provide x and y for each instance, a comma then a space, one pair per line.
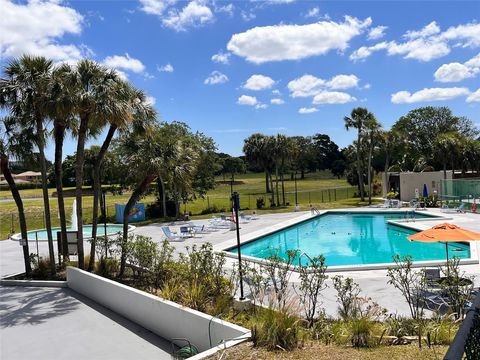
313, 189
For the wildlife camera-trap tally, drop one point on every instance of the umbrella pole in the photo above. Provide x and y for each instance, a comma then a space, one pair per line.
448, 267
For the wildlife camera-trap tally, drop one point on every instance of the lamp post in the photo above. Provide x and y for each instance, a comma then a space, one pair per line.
104, 192
236, 207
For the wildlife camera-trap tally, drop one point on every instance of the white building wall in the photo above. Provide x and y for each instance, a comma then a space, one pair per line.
410, 181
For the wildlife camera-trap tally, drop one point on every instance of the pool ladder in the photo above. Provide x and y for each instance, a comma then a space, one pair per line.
315, 210
410, 215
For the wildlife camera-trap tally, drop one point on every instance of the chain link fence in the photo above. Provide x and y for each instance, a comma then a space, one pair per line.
35, 215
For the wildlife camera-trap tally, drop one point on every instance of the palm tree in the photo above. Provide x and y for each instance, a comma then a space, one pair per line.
447, 147
389, 141
95, 103
132, 104
28, 87
372, 127
358, 117
283, 152
62, 112
257, 153
20, 145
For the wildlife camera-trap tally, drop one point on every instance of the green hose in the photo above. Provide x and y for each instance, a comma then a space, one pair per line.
186, 351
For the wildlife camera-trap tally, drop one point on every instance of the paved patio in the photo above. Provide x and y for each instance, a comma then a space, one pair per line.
58, 323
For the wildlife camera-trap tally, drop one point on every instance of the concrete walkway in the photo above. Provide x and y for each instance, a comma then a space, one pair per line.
58, 323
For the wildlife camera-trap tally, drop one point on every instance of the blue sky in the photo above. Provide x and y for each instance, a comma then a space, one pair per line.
229, 69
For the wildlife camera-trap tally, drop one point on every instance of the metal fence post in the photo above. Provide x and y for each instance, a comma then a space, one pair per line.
335, 194
309, 198
321, 191
329, 198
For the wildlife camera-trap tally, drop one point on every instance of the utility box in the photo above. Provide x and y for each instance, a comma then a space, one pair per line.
136, 214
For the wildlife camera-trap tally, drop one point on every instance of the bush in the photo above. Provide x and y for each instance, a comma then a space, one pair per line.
212, 209
361, 332
277, 330
41, 268
347, 294
260, 203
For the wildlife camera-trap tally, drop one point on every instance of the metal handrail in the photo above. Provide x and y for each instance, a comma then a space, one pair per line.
457, 347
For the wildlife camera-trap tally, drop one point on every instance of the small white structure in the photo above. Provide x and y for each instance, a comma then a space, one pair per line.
409, 185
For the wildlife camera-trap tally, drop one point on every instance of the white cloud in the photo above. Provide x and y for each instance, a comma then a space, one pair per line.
427, 43
258, 82
216, 77
313, 12
333, 97
194, 14
428, 94
221, 57
150, 100
36, 27
276, 92
428, 30
165, 68
305, 110
155, 7
377, 32
124, 63
474, 97
277, 101
228, 9
247, 16
455, 71
261, 106
309, 85
247, 100
293, 42
343, 82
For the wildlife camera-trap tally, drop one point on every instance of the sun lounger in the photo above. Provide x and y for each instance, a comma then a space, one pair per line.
245, 218
171, 235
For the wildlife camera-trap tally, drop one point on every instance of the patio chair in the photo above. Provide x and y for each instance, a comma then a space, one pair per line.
254, 216
432, 276
172, 235
386, 204
219, 224
460, 208
186, 231
245, 218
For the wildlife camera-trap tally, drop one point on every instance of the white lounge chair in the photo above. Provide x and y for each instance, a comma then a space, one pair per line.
254, 216
245, 218
172, 235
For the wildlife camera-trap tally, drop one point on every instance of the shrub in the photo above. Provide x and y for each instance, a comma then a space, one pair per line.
260, 203
312, 282
412, 284
41, 268
278, 272
277, 329
361, 332
212, 209
347, 293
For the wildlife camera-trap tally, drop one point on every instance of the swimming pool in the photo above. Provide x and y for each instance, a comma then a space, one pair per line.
112, 229
348, 238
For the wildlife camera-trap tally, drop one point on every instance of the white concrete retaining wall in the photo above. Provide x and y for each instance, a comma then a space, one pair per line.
164, 318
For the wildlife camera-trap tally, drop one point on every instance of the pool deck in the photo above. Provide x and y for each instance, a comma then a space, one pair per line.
374, 283
58, 323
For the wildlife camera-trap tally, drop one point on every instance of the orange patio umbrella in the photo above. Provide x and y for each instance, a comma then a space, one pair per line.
445, 233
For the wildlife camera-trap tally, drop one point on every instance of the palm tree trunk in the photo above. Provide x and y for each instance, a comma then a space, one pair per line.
136, 194
272, 189
370, 172
46, 201
59, 135
359, 168
385, 172
267, 189
97, 190
21, 212
80, 160
276, 184
162, 196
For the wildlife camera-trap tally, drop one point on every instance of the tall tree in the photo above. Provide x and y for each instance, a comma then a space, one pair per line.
357, 120
372, 127
131, 104
256, 149
18, 144
62, 111
28, 84
95, 103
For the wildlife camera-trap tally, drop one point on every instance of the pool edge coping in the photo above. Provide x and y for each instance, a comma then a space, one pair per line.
224, 246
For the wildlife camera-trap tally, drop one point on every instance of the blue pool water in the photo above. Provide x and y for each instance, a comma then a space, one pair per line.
87, 232
351, 239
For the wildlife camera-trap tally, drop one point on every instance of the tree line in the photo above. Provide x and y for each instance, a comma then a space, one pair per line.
425, 139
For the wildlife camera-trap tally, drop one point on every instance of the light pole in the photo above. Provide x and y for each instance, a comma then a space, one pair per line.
236, 207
